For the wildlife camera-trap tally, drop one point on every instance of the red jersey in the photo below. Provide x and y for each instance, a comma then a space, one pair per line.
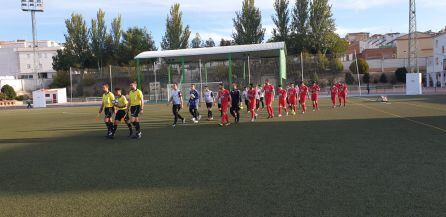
292, 92
303, 90
315, 89
282, 94
252, 94
224, 96
334, 90
344, 89
269, 90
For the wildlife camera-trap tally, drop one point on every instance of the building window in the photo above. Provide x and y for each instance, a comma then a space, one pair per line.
28, 56
436, 43
442, 49
40, 55
46, 55
40, 66
28, 66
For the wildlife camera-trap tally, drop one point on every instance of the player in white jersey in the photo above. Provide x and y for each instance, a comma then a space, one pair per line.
176, 99
258, 97
209, 99
246, 98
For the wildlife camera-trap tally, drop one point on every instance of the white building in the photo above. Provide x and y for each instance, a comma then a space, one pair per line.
17, 59
43, 97
436, 70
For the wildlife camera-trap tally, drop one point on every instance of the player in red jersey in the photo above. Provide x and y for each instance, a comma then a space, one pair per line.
343, 94
314, 89
339, 87
334, 92
282, 100
268, 89
292, 98
303, 93
252, 93
225, 98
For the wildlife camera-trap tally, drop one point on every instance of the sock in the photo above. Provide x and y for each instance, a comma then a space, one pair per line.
137, 127
115, 127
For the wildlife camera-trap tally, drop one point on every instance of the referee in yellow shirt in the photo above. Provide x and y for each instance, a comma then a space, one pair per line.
121, 105
108, 108
136, 102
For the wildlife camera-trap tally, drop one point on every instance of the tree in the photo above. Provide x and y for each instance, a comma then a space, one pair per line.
338, 45
322, 24
299, 26
134, 41
224, 42
383, 78
363, 66
63, 60
281, 20
2, 96
337, 65
196, 42
248, 24
8, 91
62, 79
76, 40
322, 62
114, 40
400, 74
349, 79
99, 38
366, 78
209, 43
175, 37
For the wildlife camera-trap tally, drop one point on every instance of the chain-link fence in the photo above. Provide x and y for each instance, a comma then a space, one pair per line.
155, 78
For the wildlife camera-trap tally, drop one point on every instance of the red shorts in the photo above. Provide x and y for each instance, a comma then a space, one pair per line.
303, 98
252, 104
224, 107
333, 96
268, 100
282, 103
314, 97
292, 101
342, 95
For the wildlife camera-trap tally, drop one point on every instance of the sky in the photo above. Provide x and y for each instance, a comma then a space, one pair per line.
213, 18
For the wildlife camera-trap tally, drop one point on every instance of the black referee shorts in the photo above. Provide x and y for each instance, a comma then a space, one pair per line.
108, 112
135, 110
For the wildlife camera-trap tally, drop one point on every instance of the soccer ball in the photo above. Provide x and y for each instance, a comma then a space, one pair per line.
115, 102
192, 96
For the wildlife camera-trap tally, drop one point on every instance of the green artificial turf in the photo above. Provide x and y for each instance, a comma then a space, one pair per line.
369, 159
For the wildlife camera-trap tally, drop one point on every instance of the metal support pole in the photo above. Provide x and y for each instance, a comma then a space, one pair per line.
138, 74
169, 71
282, 66
156, 86
71, 86
111, 78
230, 70
357, 72
302, 66
183, 71
249, 72
201, 80
206, 73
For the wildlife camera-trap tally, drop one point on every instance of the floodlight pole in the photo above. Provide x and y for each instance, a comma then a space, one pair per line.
183, 71
206, 72
357, 72
169, 68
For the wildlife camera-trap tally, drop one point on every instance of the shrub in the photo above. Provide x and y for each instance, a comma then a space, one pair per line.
383, 78
8, 91
400, 74
349, 79
363, 66
375, 80
2, 96
337, 65
366, 78
22, 97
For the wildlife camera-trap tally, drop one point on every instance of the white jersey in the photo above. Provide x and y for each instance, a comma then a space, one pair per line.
259, 93
245, 95
176, 97
208, 96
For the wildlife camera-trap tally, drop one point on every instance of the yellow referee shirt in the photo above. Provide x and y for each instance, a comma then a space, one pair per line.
135, 97
107, 99
122, 103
